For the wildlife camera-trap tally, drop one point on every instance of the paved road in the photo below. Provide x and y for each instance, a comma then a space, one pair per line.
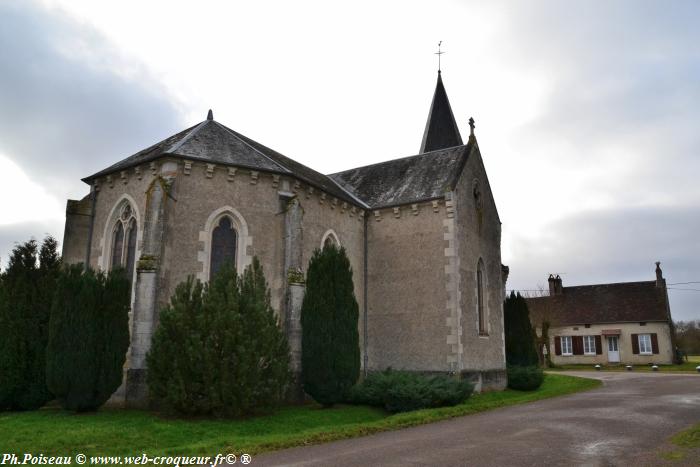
625, 422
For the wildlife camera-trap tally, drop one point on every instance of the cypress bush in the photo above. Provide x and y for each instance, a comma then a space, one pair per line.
26, 291
329, 317
401, 391
88, 337
218, 349
520, 341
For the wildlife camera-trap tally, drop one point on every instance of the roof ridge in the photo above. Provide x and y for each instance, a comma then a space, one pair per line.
238, 137
612, 283
398, 159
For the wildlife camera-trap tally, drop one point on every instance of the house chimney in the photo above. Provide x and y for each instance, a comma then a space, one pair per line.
659, 275
558, 288
551, 280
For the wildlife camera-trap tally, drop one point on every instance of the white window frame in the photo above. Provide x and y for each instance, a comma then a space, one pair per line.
589, 345
567, 344
644, 341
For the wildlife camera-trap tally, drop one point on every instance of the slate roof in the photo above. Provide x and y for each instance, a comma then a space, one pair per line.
212, 142
409, 180
441, 129
602, 303
412, 179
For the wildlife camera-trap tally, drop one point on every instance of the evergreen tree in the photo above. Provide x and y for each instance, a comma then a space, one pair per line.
329, 319
219, 349
88, 337
25, 302
520, 344
268, 363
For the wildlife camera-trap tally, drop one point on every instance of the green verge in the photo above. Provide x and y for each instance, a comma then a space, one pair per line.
52, 431
688, 441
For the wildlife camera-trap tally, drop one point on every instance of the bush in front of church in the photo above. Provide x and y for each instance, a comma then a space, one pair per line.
329, 317
402, 391
525, 378
88, 337
26, 291
218, 349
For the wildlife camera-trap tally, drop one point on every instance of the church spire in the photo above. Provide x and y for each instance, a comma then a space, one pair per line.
441, 129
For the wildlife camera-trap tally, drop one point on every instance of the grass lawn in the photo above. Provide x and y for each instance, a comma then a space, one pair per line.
688, 442
52, 431
685, 367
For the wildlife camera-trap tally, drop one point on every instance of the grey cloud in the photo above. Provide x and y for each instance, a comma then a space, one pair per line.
615, 246
66, 111
624, 72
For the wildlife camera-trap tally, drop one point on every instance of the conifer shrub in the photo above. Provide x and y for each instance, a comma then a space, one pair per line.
402, 391
525, 378
26, 290
329, 320
520, 338
219, 349
88, 337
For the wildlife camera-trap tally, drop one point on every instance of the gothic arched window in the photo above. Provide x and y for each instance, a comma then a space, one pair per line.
330, 238
480, 308
223, 245
124, 240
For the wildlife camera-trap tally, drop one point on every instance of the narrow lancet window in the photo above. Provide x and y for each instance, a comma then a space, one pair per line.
131, 248
480, 300
117, 245
223, 246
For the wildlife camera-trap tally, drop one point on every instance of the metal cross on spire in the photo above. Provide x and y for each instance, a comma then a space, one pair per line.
439, 53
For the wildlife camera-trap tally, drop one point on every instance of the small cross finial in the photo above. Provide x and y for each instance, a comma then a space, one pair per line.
439, 53
471, 126
210, 115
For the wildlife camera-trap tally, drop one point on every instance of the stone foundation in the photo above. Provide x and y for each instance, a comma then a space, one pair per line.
486, 380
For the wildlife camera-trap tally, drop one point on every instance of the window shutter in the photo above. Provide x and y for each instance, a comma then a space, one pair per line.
598, 345
654, 344
635, 344
557, 345
577, 344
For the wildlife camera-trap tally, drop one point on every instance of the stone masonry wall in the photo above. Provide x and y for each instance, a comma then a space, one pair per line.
77, 230
256, 196
407, 292
477, 235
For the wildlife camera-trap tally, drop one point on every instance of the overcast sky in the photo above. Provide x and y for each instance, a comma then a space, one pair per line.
586, 112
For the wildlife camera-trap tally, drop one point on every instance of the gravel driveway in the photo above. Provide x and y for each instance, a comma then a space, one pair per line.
625, 422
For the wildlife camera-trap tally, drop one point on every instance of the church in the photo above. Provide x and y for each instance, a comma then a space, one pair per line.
422, 234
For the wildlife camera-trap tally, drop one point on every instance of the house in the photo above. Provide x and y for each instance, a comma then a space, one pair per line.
422, 234
627, 322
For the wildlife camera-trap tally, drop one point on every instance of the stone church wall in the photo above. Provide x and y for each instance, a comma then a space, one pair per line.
406, 293
77, 230
111, 191
478, 236
346, 223
257, 199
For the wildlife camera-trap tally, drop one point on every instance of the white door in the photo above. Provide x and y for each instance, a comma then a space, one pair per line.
613, 350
